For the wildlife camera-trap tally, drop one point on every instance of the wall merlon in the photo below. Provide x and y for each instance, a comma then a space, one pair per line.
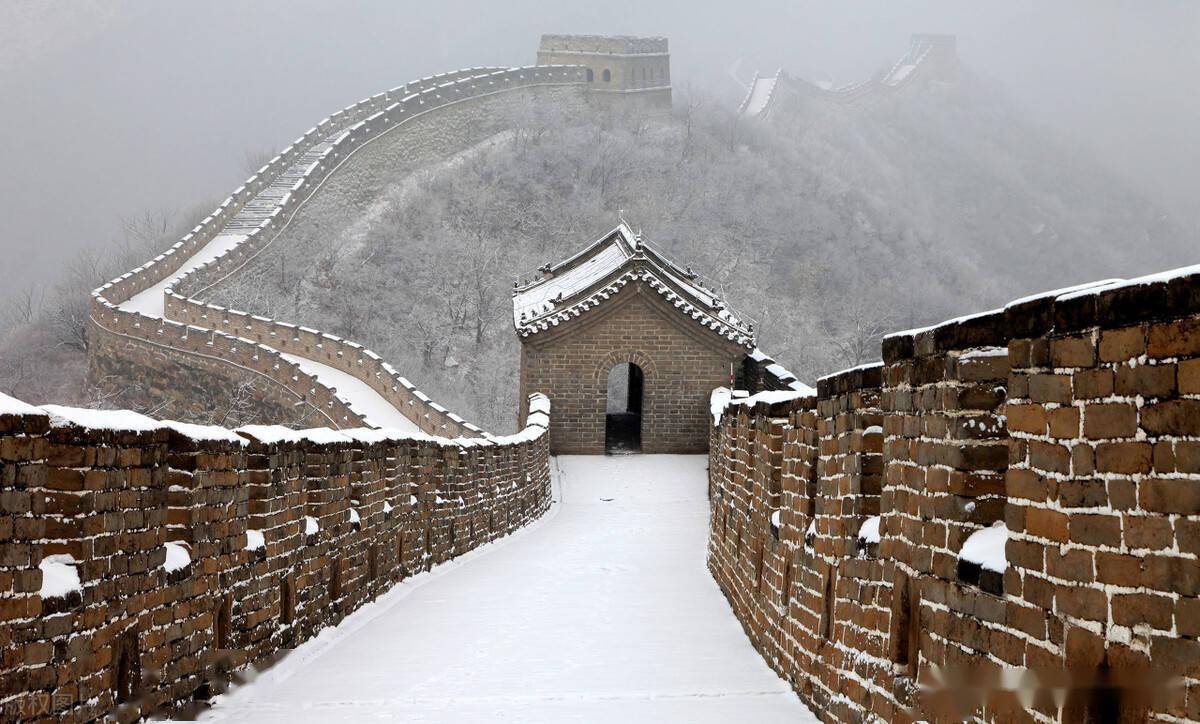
115, 491
1055, 426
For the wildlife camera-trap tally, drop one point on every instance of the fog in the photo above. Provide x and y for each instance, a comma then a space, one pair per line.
115, 109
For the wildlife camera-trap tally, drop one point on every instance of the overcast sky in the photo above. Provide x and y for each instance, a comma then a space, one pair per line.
113, 108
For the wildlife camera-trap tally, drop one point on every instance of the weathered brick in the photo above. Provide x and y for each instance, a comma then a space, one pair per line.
1189, 377
1050, 388
1027, 418
1174, 417
1048, 524
1124, 457
1110, 420
1072, 352
1175, 339
1118, 345
1146, 380
1096, 529
1170, 495
1064, 422
1093, 384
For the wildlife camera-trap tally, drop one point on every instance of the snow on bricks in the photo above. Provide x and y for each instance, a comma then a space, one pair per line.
144, 562
1035, 473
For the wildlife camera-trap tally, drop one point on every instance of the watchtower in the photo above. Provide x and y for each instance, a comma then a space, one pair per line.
628, 346
617, 64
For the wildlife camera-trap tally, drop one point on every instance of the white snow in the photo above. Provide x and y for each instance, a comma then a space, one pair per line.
362, 399
539, 403
760, 95
59, 576
1063, 291
311, 527
722, 398
268, 434
776, 517
324, 435
869, 532
540, 298
874, 430
865, 366
151, 301
255, 540
900, 74
178, 557
127, 420
353, 517
13, 406
778, 370
986, 547
983, 352
204, 432
603, 611
1164, 276
387, 507
124, 420
957, 320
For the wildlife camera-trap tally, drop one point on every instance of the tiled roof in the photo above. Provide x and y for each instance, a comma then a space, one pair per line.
582, 282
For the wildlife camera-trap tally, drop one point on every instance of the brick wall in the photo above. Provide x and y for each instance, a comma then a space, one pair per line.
199, 352
341, 517
681, 363
1070, 421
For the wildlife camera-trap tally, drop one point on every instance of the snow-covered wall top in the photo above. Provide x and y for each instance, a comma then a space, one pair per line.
143, 560
127, 421
928, 56
343, 383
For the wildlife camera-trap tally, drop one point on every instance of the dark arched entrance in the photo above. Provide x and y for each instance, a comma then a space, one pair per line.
623, 410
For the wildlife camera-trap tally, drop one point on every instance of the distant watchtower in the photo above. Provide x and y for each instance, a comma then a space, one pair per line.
616, 64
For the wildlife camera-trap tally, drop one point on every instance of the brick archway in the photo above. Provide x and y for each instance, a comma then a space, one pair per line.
612, 359
624, 424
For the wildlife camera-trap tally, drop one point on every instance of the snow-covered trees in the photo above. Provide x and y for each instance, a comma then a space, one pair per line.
831, 227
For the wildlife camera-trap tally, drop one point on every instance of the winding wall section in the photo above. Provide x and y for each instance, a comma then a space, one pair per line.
928, 56
999, 522
150, 325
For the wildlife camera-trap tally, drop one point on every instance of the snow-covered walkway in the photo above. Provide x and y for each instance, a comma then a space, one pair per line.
603, 611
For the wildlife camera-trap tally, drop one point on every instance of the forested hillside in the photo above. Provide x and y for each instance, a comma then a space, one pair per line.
829, 225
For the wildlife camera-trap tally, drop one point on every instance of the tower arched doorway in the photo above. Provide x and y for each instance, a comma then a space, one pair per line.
623, 409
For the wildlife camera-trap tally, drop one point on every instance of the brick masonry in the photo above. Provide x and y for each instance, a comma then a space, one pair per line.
190, 359
1073, 423
680, 360
141, 639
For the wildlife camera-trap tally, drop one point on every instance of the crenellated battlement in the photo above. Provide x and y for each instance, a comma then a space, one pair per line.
150, 324
148, 561
1000, 505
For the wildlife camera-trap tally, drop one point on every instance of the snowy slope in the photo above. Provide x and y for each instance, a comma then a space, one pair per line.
365, 401
601, 612
760, 94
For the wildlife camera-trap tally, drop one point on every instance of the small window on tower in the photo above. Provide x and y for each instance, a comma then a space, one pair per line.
606, 76
590, 75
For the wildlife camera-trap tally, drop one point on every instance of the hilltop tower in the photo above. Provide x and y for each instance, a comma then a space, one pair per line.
618, 64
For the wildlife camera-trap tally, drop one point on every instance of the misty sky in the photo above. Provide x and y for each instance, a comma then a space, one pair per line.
112, 108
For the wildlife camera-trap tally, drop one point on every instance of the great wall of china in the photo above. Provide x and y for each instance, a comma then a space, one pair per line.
998, 522
853, 531
929, 57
